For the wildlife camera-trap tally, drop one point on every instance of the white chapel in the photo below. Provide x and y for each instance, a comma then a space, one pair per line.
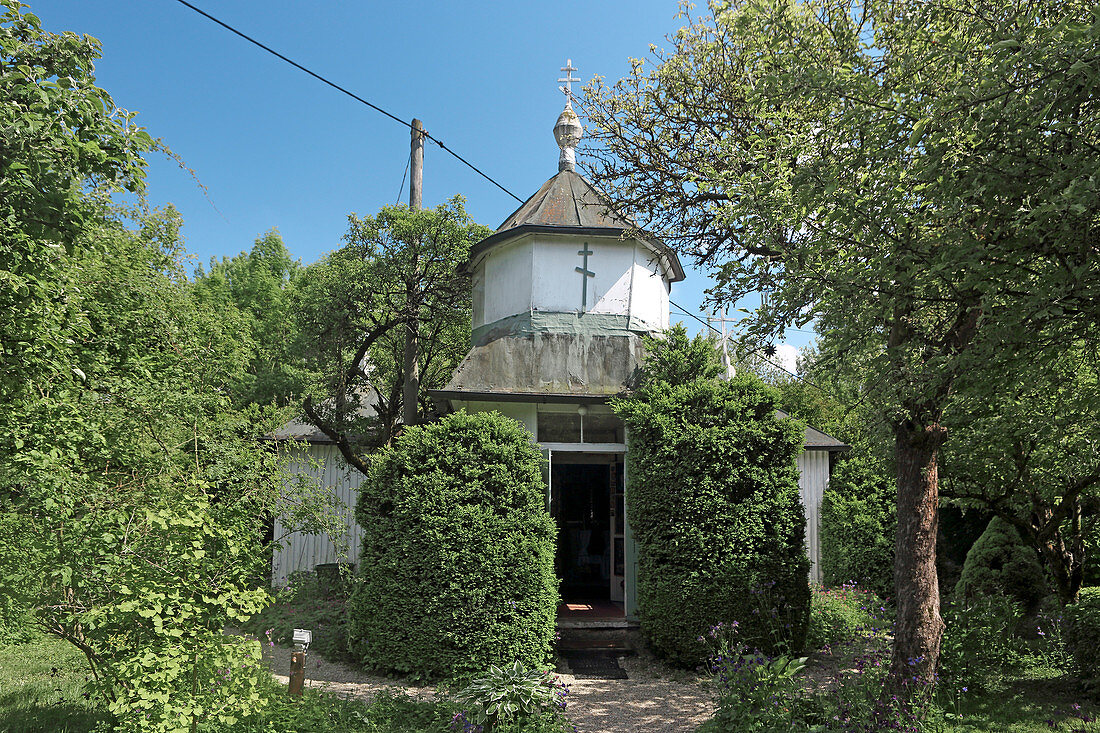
563, 293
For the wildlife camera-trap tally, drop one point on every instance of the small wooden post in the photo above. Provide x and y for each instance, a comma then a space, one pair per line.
297, 673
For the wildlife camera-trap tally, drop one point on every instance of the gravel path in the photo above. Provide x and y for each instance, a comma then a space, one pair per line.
647, 701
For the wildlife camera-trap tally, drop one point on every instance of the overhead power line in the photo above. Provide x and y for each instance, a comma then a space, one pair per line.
438, 142
800, 378
351, 94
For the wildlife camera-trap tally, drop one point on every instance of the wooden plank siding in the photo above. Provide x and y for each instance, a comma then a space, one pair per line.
813, 477
303, 552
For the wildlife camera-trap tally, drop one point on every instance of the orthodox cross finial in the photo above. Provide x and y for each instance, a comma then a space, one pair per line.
567, 90
568, 130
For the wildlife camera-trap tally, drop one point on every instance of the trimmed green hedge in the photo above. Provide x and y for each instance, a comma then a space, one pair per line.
714, 505
858, 526
457, 566
1082, 629
1000, 563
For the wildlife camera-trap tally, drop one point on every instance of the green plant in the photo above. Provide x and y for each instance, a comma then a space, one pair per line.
978, 641
839, 615
457, 564
514, 694
1000, 563
715, 508
858, 524
1082, 632
307, 602
756, 692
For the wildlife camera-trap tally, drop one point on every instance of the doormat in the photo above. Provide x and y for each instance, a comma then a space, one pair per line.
594, 665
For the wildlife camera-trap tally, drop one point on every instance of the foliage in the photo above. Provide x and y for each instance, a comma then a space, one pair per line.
1028, 451
840, 615
140, 494
61, 134
714, 507
978, 642
305, 604
1000, 563
259, 285
457, 563
755, 691
132, 495
799, 149
1083, 632
397, 282
858, 525
324, 712
676, 359
513, 695
43, 683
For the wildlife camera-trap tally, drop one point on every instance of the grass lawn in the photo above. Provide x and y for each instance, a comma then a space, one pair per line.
41, 689
1043, 700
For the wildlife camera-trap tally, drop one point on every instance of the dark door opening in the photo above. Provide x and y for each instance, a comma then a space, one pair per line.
581, 495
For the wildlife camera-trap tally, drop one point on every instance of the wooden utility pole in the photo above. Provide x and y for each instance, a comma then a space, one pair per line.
416, 183
410, 393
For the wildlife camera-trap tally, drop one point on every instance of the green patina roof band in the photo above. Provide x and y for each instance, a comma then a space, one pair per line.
576, 324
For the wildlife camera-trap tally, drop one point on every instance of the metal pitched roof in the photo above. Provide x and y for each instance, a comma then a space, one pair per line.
816, 440
569, 204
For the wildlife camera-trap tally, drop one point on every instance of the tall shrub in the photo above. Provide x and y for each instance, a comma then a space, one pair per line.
457, 566
1083, 632
1000, 563
713, 503
858, 524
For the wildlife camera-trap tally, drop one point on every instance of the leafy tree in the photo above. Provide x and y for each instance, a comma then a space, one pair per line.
60, 135
399, 273
918, 177
260, 284
137, 490
1028, 449
131, 493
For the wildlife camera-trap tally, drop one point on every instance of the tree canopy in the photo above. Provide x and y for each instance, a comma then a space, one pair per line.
399, 272
133, 491
919, 178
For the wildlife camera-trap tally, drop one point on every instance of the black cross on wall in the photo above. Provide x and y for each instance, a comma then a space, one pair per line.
583, 270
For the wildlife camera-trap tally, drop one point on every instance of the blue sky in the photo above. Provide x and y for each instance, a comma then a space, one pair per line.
276, 148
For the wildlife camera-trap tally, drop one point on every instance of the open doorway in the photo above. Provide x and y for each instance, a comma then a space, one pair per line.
586, 503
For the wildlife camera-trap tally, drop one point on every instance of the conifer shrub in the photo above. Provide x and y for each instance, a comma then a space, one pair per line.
1000, 563
457, 565
713, 503
858, 526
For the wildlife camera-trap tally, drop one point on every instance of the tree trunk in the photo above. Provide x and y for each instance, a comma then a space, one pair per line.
919, 628
1064, 560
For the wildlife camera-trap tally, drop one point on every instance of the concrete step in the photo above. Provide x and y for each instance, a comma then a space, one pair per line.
617, 646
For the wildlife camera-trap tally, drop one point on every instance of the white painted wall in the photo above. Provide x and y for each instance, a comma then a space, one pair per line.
539, 273
506, 278
303, 552
650, 292
557, 286
813, 478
